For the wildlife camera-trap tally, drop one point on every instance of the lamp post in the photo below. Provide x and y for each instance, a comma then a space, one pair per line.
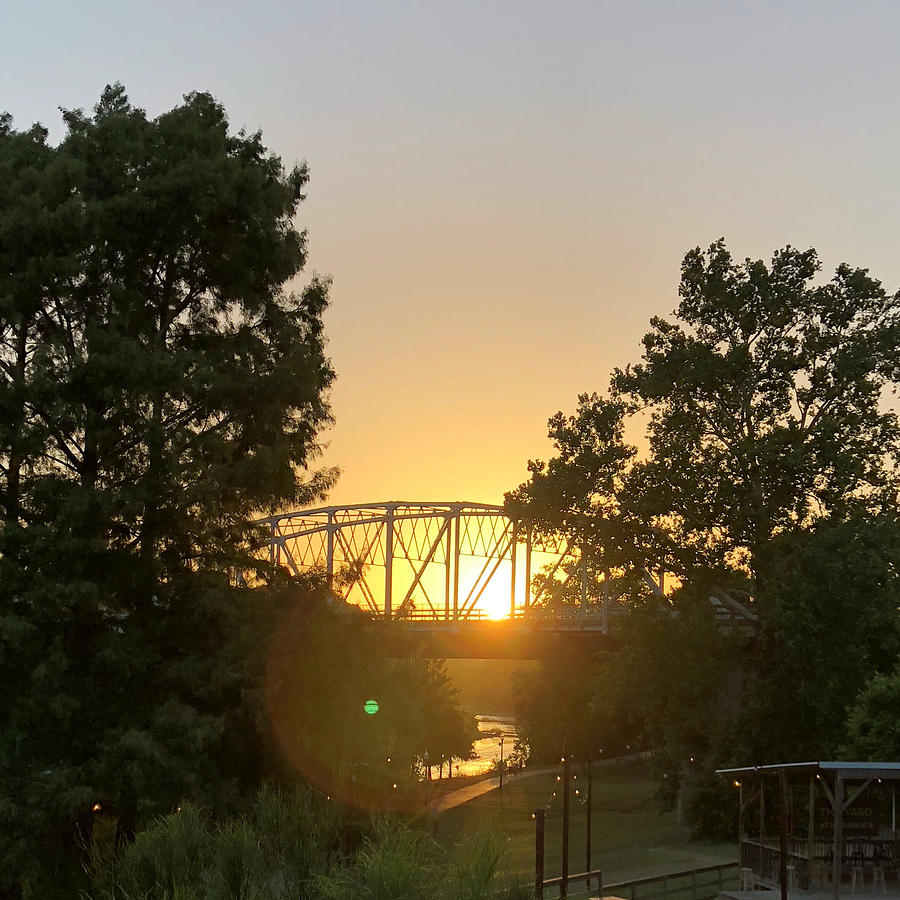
501, 760
427, 767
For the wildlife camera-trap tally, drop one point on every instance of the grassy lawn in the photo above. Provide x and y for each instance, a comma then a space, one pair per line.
631, 839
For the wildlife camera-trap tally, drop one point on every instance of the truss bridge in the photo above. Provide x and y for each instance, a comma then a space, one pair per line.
446, 561
459, 573
462, 573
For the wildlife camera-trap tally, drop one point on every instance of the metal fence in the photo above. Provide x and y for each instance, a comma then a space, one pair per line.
703, 883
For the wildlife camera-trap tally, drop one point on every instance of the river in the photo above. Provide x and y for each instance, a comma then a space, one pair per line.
487, 747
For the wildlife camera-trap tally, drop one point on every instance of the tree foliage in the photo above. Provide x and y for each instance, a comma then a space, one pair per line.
553, 710
873, 726
158, 388
770, 469
828, 624
764, 400
326, 661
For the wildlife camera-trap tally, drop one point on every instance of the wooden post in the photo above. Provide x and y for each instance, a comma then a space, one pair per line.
539, 854
564, 885
762, 809
838, 847
587, 836
811, 832
783, 824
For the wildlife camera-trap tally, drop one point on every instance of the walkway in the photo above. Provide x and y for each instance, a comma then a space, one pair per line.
471, 791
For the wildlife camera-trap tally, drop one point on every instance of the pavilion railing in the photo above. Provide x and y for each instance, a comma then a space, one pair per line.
763, 856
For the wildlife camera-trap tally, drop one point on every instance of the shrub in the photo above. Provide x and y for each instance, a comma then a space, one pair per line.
277, 850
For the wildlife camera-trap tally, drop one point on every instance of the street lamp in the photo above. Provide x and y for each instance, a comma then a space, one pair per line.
501, 760
427, 767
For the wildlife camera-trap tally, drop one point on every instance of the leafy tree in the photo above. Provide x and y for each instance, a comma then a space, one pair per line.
764, 403
674, 687
327, 660
873, 724
158, 387
771, 468
578, 496
447, 731
554, 712
829, 624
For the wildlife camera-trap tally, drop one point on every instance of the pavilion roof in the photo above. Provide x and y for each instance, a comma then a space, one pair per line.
889, 770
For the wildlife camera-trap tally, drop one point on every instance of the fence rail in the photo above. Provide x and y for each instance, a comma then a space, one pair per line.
764, 858
703, 883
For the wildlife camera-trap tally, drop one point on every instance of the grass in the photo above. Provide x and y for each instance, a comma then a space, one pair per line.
630, 837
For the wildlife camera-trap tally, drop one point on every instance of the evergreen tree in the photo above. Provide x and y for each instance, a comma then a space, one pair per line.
158, 389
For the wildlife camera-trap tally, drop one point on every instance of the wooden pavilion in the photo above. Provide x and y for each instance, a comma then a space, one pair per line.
850, 834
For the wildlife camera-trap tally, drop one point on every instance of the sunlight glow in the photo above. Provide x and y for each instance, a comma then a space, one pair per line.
494, 602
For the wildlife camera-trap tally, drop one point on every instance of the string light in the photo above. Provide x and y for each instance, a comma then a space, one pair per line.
559, 769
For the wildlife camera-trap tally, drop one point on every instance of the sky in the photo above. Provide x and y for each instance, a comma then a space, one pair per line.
502, 192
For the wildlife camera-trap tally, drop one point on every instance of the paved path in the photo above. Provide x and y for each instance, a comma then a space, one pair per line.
471, 791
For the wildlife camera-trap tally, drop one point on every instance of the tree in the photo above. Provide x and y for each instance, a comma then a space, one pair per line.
447, 732
554, 710
771, 454
158, 388
828, 624
346, 715
771, 468
674, 689
873, 725
764, 403
579, 496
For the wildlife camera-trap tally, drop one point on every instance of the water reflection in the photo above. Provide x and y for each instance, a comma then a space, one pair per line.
487, 747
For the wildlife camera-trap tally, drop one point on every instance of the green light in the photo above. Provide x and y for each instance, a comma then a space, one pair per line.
371, 707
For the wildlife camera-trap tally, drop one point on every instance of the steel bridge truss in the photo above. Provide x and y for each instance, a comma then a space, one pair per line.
432, 561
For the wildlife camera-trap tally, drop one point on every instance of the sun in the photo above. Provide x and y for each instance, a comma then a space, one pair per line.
494, 602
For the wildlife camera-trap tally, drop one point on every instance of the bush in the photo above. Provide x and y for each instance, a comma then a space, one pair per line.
277, 850
287, 848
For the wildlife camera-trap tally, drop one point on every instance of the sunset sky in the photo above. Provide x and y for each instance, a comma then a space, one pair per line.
503, 191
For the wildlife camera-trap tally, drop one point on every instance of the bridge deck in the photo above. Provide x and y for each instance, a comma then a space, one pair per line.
507, 640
